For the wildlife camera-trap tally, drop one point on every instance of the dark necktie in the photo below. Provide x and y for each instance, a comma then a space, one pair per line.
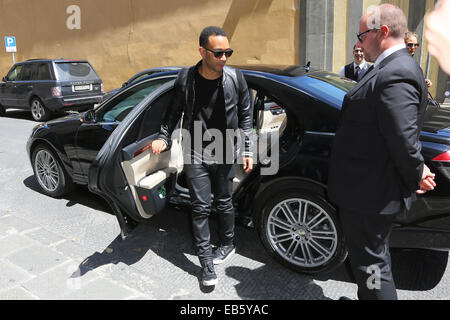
358, 73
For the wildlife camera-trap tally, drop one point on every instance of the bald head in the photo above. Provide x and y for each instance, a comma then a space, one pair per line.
383, 27
389, 15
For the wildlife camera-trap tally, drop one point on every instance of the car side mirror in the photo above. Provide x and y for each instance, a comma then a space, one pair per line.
89, 116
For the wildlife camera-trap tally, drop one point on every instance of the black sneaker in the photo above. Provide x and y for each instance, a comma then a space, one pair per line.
222, 253
209, 277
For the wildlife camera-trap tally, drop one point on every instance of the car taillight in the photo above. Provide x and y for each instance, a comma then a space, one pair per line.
442, 163
443, 157
56, 92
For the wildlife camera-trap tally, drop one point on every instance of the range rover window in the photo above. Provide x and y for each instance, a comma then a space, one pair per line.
43, 72
27, 72
75, 71
14, 74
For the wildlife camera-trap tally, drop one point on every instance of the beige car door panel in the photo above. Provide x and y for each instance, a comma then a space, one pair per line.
152, 176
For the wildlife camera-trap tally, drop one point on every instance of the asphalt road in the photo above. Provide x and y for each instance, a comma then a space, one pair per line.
70, 248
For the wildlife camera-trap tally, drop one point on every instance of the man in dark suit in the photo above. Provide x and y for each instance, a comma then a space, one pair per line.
376, 164
358, 68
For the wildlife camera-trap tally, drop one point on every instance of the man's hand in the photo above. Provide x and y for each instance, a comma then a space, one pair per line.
158, 146
427, 183
248, 164
429, 83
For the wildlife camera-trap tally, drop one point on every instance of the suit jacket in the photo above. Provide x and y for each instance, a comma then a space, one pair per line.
350, 71
376, 163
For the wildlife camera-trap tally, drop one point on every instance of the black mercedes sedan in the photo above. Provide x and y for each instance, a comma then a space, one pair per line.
284, 197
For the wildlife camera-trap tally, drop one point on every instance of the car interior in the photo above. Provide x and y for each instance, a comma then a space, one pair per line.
153, 177
268, 118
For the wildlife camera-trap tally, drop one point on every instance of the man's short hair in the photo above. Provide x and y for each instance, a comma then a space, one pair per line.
210, 31
395, 19
410, 34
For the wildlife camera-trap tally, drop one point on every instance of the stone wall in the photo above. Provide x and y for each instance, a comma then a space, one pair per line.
122, 37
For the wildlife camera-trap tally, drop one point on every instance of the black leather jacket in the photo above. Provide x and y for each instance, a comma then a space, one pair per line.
238, 109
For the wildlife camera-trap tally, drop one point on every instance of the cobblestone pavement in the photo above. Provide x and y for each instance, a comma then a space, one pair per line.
70, 248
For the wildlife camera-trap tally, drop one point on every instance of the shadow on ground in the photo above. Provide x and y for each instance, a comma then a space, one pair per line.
19, 114
26, 114
79, 195
169, 236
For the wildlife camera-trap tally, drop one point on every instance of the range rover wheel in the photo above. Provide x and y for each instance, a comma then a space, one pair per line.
301, 231
38, 111
49, 172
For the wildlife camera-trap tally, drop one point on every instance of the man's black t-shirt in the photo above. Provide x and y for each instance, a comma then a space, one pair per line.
209, 107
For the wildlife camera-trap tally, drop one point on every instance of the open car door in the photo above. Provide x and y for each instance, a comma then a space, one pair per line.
135, 182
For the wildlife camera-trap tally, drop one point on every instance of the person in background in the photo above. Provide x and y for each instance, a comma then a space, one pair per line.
412, 43
358, 68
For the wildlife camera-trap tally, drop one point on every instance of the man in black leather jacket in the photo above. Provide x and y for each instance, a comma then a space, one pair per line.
212, 99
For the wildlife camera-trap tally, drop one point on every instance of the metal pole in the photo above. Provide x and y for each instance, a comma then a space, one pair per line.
14, 59
427, 71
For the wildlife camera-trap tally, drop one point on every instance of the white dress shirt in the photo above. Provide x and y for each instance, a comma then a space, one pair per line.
364, 66
386, 53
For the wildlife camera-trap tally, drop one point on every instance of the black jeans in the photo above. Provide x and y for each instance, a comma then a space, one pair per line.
203, 179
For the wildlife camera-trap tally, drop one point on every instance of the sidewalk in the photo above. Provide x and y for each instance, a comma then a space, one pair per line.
446, 103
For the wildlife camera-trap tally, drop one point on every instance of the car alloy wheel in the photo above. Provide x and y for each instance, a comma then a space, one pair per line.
49, 173
47, 170
301, 231
39, 111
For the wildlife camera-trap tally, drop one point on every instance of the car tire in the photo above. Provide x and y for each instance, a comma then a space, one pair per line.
310, 243
49, 172
39, 111
2, 111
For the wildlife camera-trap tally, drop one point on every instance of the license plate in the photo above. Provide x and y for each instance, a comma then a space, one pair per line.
82, 87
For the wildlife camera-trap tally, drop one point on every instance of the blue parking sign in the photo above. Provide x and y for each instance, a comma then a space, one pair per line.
10, 43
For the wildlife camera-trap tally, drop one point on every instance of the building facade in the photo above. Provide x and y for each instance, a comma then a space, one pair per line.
122, 37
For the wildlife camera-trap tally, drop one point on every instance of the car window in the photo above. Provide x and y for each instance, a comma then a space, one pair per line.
154, 115
119, 107
27, 72
14, 74
325, 86
73, 71
43, 72
269, 115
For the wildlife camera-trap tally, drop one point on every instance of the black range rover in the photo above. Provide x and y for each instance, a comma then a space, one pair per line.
47, 86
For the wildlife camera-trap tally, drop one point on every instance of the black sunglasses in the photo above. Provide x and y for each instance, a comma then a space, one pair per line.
219, 53
411, 45
360, 35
